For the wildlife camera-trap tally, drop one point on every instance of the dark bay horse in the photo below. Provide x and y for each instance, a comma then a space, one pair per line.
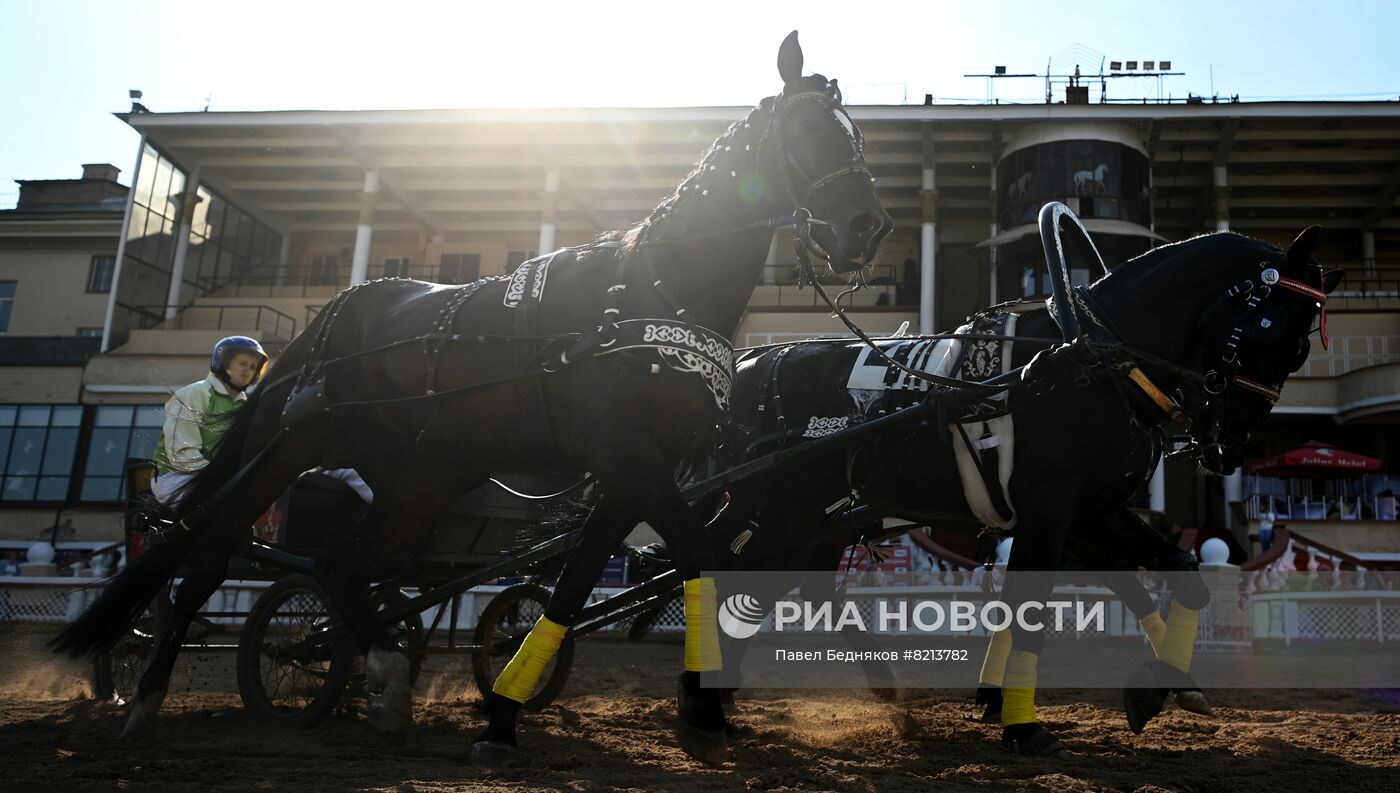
612, 358
1220, 320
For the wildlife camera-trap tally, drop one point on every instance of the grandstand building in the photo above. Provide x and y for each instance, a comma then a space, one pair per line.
250, 222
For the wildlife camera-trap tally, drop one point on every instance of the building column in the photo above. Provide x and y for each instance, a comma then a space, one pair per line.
992, 252
183, 224
1157, 488
774, 258
364, 232
1368, 253
549, 211
1234, 491
1222, 199
121, 248
1233, 484
284, 258
928, 241
1151, 199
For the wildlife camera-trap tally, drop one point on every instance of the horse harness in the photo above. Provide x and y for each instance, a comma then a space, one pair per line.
1257, 320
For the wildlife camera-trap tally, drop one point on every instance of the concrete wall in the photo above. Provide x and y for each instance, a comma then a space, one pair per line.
40, 384
50, 293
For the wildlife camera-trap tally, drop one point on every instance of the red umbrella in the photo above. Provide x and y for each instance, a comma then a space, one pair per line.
1315, 459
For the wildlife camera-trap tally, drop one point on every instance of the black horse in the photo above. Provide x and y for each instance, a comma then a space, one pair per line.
1220, 320
612, 358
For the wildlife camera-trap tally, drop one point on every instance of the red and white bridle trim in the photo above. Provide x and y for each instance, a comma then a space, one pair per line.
1314, 293
1271, 394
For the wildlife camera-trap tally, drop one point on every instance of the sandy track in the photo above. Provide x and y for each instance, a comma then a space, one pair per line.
611, 730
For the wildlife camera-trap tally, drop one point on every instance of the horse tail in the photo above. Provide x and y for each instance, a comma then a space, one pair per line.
125, 596
123, 600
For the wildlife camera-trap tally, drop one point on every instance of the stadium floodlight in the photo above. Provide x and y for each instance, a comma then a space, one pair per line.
1115, 66
133, 94
1147, 66
1164, 65
1000, 70
1131, 66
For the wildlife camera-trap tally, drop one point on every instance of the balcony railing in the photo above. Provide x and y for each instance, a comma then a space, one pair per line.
1372, 283
1350, 353
274, 325
1291, 507
778, 288
307, 280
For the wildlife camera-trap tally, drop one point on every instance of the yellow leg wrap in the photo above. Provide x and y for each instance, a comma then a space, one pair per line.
701, 626
994, 664
1181, 636
517, 681
1018, 698
1156, 631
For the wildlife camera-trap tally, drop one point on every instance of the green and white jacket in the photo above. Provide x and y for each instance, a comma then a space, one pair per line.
195, 418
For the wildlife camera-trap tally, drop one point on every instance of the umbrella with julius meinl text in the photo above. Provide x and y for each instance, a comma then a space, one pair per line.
1316, 459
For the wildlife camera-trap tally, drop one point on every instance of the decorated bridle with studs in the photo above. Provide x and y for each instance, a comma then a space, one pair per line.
1251, 320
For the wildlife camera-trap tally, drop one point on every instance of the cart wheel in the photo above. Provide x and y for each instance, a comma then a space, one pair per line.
501, 629
116, 672
283, 676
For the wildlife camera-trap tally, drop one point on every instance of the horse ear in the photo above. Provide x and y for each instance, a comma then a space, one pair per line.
1331, 279
1301, 250
790, 60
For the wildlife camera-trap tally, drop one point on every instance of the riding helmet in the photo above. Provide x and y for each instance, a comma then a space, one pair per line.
225, 350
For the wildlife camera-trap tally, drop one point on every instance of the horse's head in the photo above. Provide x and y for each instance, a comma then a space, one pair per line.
820, 154
1254, 339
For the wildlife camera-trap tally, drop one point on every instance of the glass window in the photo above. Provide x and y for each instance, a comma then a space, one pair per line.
146, 176
100, 273
119, 432
34, 416
7, 304
38, 449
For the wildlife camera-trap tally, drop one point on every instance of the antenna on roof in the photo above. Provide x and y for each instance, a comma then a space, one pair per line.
208, 99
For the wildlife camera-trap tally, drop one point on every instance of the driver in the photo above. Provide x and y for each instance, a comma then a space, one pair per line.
197, 416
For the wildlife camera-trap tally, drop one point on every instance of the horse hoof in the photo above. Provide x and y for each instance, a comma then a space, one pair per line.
703, 745
990, 698
390, 707
493, 754
141, 716
1033, 742
1147, 690
1194, 702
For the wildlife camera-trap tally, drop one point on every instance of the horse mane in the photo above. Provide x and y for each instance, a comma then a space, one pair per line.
734, 152
1125, 274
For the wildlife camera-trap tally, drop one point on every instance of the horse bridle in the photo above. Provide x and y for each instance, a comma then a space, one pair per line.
1252, 321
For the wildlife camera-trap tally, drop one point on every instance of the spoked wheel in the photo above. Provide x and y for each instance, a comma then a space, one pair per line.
116, 672
502, 628
285, 676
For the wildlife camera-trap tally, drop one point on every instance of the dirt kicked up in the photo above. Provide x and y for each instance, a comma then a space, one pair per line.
612, 730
